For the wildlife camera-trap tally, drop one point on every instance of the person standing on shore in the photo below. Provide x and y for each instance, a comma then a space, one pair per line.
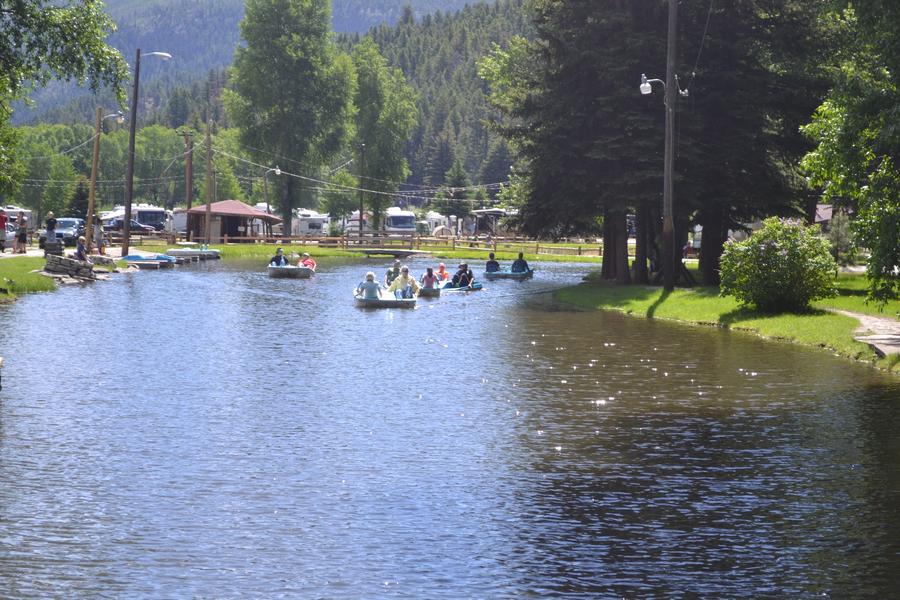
99, 241
21, 233
3, 221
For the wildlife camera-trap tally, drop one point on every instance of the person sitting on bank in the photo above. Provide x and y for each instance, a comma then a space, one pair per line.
369, 288
520, 265
279, 260
392, 274
491, 266
464, 277
429, 279
81, 249
443, 273
307, 261
404, 286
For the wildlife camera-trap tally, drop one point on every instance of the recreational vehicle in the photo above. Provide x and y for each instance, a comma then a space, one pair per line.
309, 222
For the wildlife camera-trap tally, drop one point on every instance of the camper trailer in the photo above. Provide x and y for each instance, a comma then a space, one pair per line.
309, 222
397, 220
145, 214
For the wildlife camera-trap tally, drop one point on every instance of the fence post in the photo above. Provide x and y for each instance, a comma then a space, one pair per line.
579, 250
537, 248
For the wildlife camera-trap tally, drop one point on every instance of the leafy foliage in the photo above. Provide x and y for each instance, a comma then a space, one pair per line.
855, 161
782, 267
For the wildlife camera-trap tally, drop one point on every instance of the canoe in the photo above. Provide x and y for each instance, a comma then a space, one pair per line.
449, 287
384, 302
429, 292
505, 274
289, 272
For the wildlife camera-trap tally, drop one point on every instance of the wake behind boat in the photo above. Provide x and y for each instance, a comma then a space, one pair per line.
289, 272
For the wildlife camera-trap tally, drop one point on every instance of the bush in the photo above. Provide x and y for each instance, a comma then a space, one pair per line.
782, 267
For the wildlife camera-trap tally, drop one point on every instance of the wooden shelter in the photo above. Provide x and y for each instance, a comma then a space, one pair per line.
229, 219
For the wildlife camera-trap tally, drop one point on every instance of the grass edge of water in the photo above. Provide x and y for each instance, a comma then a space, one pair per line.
704, 307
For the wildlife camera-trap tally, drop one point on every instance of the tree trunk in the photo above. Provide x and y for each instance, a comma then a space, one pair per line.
642, 224
623, 274
607, 268
711, 243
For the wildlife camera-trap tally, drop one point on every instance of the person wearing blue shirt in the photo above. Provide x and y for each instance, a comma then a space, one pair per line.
279, 260
491, 266
520, 265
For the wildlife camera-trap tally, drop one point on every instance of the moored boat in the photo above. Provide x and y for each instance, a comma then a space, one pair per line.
290, 272
506, 274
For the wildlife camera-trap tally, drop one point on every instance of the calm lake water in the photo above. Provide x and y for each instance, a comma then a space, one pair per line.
210, 432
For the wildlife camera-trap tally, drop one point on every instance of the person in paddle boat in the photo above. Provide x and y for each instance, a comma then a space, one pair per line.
491, 266
442, 273
464, 277
392, 274
307, 261
279, 260
429, 279
369, 289
404, 286
520, 265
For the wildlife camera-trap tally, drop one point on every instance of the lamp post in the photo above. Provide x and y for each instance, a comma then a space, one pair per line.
132, 130
89, 217
362, 165
277, 171
670, 85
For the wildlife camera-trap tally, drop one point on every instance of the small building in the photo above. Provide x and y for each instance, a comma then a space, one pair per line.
228, 219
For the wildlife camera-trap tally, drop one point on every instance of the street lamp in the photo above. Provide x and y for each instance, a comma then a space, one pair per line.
129, 169
89, 226
670, 85
277, 171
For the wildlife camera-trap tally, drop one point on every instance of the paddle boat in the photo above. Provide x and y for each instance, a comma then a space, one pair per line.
433, 292
507, 274
384, 301
290, 272
151, 261
449, 287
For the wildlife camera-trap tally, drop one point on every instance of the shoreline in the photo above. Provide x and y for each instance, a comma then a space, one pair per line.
822, 327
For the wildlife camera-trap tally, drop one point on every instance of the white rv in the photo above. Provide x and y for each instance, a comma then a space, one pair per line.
397, 220
309, 222
145, 214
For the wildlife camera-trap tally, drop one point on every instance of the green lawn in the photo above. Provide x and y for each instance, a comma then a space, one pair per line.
705, 306
16, 277
852, 297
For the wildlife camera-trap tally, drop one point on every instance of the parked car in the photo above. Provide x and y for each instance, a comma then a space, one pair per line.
67, 229
9, 236
116, 223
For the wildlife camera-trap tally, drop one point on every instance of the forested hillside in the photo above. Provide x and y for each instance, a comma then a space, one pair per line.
438, 55
201, 35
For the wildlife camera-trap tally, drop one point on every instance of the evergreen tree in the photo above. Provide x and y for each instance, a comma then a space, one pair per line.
292, 90
77, 205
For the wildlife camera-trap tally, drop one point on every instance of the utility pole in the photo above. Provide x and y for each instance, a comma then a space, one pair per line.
129, 167
209, 181
362, 162
89, 217
669, 167
188, 171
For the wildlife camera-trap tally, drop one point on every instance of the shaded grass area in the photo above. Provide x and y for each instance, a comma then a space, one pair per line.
704, 306
16, 277
852, 296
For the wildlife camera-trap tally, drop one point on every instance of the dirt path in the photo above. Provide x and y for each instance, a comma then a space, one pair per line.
882, 333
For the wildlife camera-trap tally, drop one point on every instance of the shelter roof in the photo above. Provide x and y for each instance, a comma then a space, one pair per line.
234, 208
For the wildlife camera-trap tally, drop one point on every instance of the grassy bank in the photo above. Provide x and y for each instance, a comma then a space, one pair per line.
704, 306
474, 255
16, 277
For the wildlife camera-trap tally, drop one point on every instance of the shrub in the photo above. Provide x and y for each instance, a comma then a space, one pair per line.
782, 267
841, 238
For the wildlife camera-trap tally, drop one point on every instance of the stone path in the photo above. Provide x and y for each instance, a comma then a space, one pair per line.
882, 333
